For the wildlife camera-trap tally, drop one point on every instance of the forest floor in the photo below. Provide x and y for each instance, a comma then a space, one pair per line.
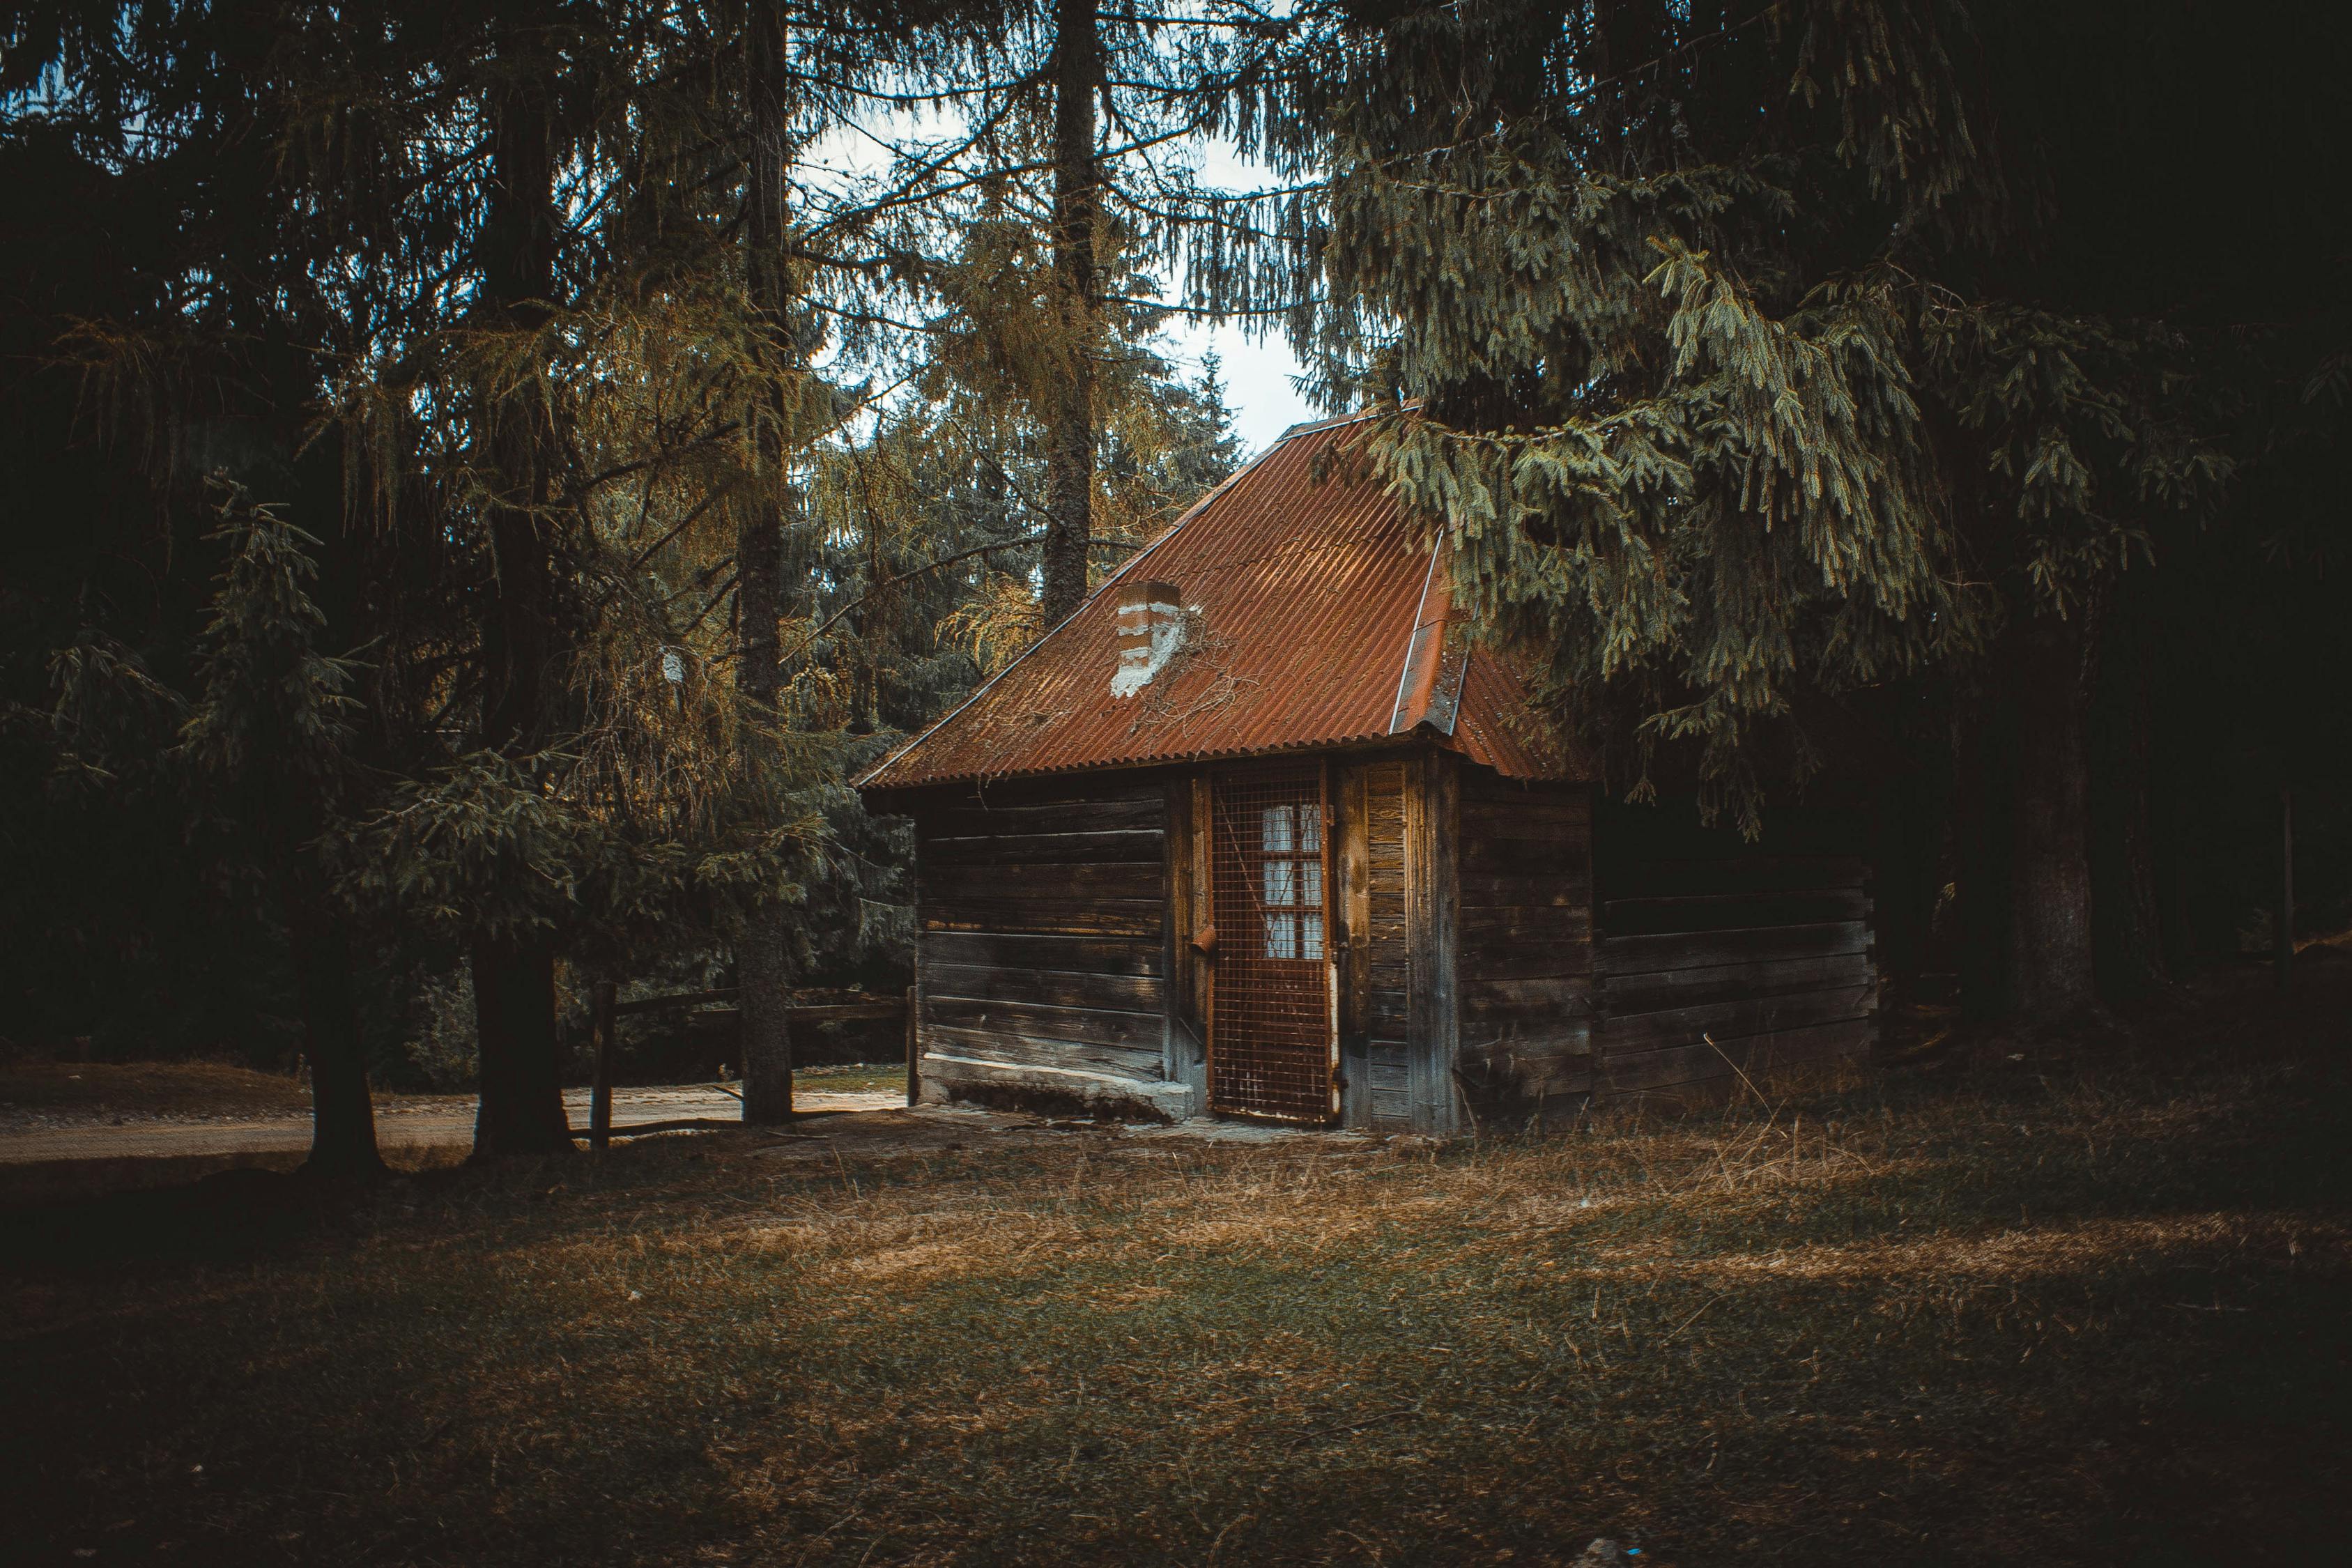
2085, 1307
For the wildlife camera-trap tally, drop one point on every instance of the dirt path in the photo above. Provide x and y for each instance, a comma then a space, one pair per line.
432, 1124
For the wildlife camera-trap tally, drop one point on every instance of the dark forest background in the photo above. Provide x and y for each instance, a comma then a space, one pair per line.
478, 483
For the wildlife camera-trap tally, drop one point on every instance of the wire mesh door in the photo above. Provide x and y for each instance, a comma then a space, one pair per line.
1272, 1051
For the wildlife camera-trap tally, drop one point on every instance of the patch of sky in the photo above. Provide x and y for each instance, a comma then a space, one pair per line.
851, 161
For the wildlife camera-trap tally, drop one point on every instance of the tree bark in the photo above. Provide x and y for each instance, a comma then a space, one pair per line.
342, 1115
521, 1106
1070, 412
521, 1091
1984, 798
762, 977
2051, 954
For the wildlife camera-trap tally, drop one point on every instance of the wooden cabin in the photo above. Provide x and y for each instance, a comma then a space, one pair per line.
1262, 830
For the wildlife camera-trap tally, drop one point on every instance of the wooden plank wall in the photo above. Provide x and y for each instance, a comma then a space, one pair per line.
1765, 948
1432, 814
1371, 812
1042, 950
1525, 954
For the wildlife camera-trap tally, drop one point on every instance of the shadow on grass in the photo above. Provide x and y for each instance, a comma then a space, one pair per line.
2089, 1318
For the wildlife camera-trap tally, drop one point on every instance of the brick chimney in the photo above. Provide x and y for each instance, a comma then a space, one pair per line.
1151, 630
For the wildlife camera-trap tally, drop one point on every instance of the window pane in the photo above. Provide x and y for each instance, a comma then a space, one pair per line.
1311, 874
1282, 936
1311, 830
1310, 943
1275, 829
1282, 883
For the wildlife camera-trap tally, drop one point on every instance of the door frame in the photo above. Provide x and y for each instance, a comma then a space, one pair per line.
1334, 943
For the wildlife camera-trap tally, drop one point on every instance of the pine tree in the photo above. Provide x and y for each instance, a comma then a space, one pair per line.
1696, 312
1074, 205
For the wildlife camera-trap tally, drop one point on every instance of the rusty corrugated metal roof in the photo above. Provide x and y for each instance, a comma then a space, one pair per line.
1306, 595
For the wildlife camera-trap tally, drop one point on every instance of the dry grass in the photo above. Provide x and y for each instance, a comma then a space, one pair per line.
2092, 1321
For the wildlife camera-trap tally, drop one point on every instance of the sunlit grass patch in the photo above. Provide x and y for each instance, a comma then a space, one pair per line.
860, 1078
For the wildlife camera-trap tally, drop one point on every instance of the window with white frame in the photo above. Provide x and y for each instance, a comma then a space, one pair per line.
1292, 839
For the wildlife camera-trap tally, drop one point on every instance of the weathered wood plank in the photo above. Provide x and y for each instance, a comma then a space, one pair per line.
1539, 861
1483, 810
1565, 1036
1433, 819
1674, 1066
1558, 955
1557, 1076
1661, 989
1491, 1000
1759, 944
1183, 1024
1044, 848
1075, 954
1110, 993
1117, 879
1047, 916
1142, 808
1042, 1021
1729, 911
1351, 862
1015, 1050
1525, 891
1500, 925
1390, 1070
1733, 1019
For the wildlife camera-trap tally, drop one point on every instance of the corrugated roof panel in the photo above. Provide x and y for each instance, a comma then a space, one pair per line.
1303, 594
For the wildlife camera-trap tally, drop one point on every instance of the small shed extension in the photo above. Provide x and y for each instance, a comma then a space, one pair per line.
1263, 830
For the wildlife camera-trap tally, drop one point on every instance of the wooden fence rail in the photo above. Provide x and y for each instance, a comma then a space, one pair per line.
609, 1011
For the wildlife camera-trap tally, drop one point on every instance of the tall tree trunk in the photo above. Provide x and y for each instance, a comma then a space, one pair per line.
343, 1113
521, 1106
763, 980
342, 1116
1070, 405
514, 988
2050, 948
1984, 800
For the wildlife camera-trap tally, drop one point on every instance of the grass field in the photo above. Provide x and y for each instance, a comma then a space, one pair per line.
2083, 1318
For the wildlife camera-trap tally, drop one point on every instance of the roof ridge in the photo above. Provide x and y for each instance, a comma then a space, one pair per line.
1370, 411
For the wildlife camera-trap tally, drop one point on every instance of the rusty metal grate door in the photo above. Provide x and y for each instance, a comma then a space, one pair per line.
1272, 1048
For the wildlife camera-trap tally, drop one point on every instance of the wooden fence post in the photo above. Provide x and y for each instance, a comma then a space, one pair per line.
600, 1096
914, 1051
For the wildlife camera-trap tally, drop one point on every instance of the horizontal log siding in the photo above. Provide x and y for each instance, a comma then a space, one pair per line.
1387, 1010
1768, 953
1525, 961
1042, 949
